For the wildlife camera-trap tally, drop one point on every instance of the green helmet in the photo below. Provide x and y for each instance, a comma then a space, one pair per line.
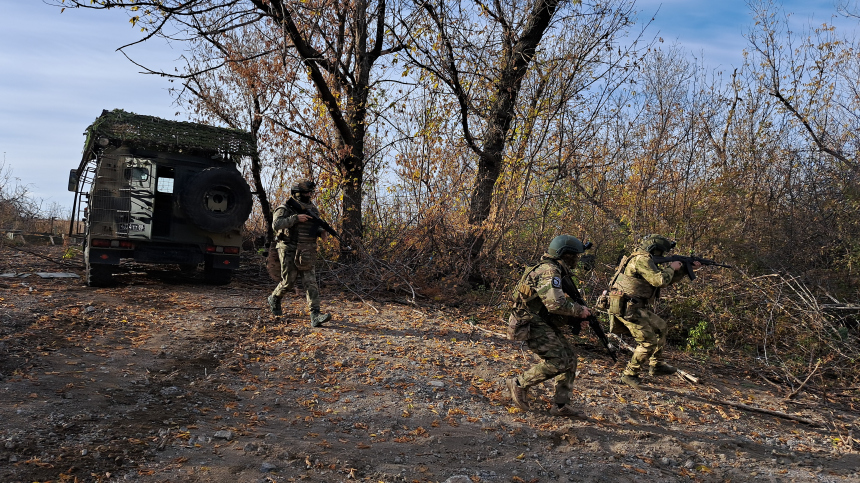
656, 242
565, 244
303, 187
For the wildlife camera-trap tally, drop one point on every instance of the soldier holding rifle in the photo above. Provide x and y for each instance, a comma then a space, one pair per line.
297, 226
538, 312
633, 290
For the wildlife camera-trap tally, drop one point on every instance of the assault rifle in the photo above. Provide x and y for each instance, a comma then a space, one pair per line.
688, 263
296, 207
571, 291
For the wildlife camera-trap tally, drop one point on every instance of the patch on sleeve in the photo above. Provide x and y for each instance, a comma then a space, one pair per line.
556, 282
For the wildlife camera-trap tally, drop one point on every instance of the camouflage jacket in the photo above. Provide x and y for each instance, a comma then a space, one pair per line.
540, 287
639, 277
290, 231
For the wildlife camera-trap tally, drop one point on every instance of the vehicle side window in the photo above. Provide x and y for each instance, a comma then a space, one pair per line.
164, 179
137, 174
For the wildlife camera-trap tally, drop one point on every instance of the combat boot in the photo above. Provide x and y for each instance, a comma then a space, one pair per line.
318, 319
519, 394
567, 411
275, 305
632, 381
662, 369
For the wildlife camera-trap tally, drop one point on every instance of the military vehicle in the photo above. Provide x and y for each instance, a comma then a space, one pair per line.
164, 192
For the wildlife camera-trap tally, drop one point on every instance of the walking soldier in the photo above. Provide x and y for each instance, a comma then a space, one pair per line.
297, 235
538, 312
633, 291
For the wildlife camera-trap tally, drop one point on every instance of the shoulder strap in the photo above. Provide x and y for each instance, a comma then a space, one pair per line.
620, 269
565, 272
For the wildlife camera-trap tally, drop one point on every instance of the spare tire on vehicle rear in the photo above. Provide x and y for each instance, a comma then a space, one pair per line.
216, 199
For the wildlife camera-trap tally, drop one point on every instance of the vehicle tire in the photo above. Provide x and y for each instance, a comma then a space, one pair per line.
99, 275
217, 276
217, 200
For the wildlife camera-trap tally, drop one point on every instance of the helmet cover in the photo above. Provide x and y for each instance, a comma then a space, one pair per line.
565, 245
656, 242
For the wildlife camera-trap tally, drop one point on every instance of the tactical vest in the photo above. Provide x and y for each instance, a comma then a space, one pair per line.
633, 286
524, 292
301, 234
526, 296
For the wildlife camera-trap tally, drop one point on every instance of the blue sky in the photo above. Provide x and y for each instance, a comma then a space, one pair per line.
58, 71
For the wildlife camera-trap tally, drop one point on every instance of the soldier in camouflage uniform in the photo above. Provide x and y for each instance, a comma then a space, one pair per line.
538, 312
637, 283
297, 249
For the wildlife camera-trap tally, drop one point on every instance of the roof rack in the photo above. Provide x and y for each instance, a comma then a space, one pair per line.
118, 128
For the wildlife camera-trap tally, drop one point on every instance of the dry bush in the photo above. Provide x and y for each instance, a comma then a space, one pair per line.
795, 333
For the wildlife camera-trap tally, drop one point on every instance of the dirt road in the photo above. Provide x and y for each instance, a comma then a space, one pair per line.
163, 379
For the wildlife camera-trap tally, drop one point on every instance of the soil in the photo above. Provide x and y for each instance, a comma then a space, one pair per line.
164, 379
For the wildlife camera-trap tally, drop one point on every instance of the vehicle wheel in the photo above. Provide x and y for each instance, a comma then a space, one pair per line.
99, 275
217, 276
217, 199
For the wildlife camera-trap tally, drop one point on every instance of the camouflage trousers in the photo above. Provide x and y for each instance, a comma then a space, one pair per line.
289, 275
649, 331
559, 360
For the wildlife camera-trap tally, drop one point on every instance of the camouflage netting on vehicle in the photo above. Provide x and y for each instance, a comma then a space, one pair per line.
120, 127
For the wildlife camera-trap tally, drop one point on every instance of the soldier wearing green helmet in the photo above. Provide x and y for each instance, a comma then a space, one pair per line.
537, 297
633, 290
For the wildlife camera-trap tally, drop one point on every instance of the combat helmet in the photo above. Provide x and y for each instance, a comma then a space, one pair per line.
564, 245
303, 187
656, 242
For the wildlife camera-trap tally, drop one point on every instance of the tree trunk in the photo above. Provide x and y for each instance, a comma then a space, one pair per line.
516, 57
256, 168
352, 196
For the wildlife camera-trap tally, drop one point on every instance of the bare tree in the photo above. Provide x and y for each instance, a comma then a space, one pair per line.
803, 74
18, 208
483, 54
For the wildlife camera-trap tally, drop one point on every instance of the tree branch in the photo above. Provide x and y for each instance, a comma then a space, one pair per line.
818, 142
